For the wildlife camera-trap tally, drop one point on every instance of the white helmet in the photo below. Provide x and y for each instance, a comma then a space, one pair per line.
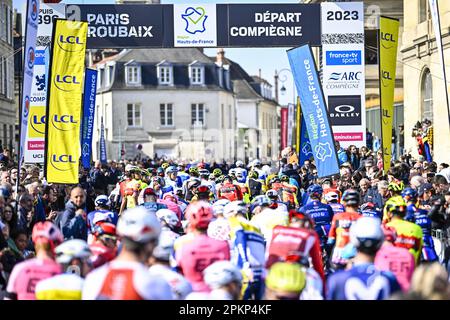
221, 273
256, 162
72, 249
102, 201
164, 248
233, 208
168, 216
217, 210
267, 169
139, 225
330, 196
221, 202
366, 233
239, 163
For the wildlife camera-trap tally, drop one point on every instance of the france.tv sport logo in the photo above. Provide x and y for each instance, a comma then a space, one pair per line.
195, 19
343, 58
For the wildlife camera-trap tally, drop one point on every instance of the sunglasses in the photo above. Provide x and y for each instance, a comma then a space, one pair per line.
109, 238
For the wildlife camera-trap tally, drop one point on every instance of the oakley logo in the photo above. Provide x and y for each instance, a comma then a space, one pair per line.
344, 108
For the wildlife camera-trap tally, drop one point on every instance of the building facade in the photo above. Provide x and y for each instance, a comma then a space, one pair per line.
176, 103
423, 79
7, 106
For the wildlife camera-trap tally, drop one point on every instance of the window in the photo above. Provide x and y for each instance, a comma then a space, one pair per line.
134, 114
133, 75
423, 10
3, 22
165, 75
107, 71
197, 114
230, 117
101, 74
196, 74
166, 114
427, 95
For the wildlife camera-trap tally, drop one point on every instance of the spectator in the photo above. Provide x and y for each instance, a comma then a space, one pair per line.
353, 156
25, 212
342, 155
98, 179
379, 195
5, 157
430, 282
73, 219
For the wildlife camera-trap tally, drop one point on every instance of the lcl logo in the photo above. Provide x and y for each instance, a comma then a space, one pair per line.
38, 123
63, 122
385, 76
65, 80
386, 38
65, 160
70, 43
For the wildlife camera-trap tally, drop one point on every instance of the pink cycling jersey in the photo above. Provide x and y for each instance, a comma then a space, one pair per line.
27, 274
194, 256
397, 260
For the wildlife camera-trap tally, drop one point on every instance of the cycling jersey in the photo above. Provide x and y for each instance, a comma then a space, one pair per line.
230, 191
180, 286
339, 234
420, 217
287, 193
266, 220
154, 206
322, 215
219, 229
397, 260
255, 188
299, 242
125, 280
361, 282
409, 236
374, 213
101, 254
101, 215
196, 255
337, 207
66, 286
25, 276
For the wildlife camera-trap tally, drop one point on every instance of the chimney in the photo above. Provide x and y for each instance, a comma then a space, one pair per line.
276, 85
220, 56
259, 73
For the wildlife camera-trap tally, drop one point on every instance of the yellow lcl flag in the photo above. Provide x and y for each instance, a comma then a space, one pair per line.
388, 43
63, 116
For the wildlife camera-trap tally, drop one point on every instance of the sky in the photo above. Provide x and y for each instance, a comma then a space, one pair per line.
251, 59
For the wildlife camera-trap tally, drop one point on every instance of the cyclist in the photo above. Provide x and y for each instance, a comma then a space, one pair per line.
369, 209
241, 171
255, 186
73, 255
126, 277
332, 199
199, 251
149, 200
104, 243
339, 235
169, 223
285, 281
101, 213
363, 281
190, 183
203, 193
277, 204
265, 218
25, 275
172, 178
219, 228
229, 190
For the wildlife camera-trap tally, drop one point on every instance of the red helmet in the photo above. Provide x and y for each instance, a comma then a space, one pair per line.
47, 232
308, 222
104, 228
390, 234
199, 214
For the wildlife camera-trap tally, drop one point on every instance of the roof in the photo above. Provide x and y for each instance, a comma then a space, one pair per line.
244, 91
173, 55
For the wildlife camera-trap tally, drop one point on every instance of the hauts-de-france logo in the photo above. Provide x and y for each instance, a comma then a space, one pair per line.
195, 19
34, 10
323, 151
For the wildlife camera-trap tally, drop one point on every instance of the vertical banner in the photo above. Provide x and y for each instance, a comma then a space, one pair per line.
87, 126
103, 158
434, 9
284, 127
29, 54
64, 101
387, 64
305, 146
34, 143
290, 124
343, 70
298, 126
314, 110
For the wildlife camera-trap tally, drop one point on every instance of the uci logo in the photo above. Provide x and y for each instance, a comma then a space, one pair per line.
63, 162
70, 43
64, 123
66, 80
386, 38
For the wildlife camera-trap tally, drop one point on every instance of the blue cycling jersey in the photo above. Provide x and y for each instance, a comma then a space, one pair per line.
361, 282
372, 213
107, 216
337, 207
322, 214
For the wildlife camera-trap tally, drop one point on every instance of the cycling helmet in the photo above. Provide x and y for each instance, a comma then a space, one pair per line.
233, 208
275, 180
165, 165
47, 232
260, 201
228, 177
104, 228
253, 175
204, 172
193, 183
351, 197
149, 192
168, 216
160, 171
368, 206
221, 273
286, 277
315, 191
396, 186
158, 180
222, 202
366, 234
139, 225
217, 172
257, 163
217, 210
306, 221
199, 214
193, 170
171, 169
72, 249
239, 164
331, 196
102, 201
409, 194
272, 194
164, 249
396, 205
203, 189
285, 178
390, 234
201, 165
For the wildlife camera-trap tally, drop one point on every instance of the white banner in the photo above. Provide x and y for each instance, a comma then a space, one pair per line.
290, 124
194, 25
35, 140
343, 70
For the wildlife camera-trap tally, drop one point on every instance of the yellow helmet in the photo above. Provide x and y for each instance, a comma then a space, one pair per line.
165, 165
396, 204
286, 277
396, 186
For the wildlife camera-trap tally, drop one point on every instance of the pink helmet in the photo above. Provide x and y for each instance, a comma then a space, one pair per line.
47, 232
199, 214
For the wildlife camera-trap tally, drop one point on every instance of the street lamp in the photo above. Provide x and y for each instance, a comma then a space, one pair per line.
282, 75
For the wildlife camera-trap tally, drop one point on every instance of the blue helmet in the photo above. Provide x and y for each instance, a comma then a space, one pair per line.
409, 194
315, 190
258, 201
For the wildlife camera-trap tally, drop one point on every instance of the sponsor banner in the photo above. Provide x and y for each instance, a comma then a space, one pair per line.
290, 125
36, 145
387, 64
194, 25
87, 127
284, 128
343, 69
305, 145
62, 147
121, 26
103, 158
348, 136
38, 96
28, 66
314, 110
297, 125
262, 25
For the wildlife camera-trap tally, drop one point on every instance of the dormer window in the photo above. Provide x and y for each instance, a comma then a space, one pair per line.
197, 73
132, 73
165, 73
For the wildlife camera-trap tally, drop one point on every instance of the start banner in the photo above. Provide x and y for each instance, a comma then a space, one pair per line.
62, 147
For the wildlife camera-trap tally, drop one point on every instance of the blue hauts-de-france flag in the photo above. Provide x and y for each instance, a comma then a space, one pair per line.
305, 146
314, 110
